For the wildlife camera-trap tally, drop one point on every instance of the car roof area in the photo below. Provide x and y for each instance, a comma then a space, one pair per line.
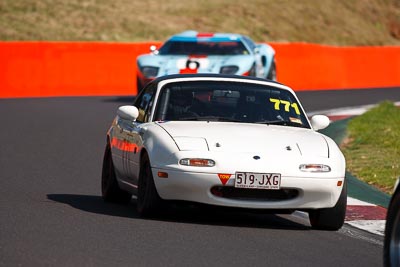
194, 36
236, 78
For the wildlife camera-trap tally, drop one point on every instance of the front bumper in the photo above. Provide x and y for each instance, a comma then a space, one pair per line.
312, 193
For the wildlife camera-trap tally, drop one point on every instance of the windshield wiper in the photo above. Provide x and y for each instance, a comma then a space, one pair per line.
209, 118
276, 122
281, 122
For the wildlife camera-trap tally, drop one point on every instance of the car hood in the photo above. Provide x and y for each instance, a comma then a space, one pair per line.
244, 138
174, 64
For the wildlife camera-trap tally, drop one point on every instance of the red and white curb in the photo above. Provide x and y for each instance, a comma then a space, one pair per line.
346, 112
366, 216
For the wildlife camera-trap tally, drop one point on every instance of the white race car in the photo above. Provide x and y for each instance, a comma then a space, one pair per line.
228, 141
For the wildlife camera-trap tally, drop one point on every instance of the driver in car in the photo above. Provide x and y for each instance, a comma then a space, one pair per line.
180, 104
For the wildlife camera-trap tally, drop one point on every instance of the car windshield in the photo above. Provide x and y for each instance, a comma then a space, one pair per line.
203, 48
229, 101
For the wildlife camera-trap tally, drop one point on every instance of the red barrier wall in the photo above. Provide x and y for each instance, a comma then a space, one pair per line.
31, 69
310, 66
42, 69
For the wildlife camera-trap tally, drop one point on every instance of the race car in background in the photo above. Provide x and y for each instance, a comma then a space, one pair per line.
192, 52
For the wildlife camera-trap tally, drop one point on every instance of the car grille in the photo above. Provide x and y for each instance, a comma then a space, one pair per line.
254, 194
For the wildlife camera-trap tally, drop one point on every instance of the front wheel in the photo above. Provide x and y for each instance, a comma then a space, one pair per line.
330, 218
148, 200
391, 247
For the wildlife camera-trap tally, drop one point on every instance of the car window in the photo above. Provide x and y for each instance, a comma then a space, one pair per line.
249, 43
144, 102
229, 101
203, 48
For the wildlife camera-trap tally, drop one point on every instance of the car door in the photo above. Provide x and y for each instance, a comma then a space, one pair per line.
118, 146
121, 146
133, 134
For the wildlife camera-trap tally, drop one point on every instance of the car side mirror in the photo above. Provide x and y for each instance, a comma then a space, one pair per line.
129, 113
319, 122
153, 49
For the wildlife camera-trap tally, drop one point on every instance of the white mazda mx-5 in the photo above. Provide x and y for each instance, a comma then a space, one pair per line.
228, 141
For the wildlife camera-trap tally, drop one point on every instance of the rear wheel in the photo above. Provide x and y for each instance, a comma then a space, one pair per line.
331, 218
148, 200
110, 190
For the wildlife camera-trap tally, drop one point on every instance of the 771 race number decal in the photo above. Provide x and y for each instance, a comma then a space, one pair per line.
286, 105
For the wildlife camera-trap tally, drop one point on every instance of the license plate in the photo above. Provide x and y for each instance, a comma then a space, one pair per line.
254, 180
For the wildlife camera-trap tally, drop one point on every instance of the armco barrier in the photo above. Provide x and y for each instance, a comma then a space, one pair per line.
43, 69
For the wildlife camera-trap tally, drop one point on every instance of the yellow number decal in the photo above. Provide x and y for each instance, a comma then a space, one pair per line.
276, 101
296, 108
287, 104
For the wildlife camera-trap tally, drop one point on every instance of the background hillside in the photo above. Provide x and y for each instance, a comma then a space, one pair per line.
333, 22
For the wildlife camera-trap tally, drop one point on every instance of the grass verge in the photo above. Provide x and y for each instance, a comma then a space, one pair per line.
372, 146
334, 22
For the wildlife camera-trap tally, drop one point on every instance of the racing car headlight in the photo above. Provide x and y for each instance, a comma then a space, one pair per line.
197, 162
314, 168
229, 69
149, 72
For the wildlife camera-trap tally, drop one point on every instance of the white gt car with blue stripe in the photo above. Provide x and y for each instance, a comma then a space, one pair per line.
193, 52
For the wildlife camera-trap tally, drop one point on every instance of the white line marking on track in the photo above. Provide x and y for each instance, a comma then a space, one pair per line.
350, 111
355, 202
362, 235
373, 226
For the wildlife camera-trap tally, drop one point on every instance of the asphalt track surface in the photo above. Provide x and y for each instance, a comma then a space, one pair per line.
52, 213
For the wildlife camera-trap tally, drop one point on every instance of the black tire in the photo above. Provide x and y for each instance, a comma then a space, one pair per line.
332, 218
272, 71
148, 201
110, 190
391, 247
